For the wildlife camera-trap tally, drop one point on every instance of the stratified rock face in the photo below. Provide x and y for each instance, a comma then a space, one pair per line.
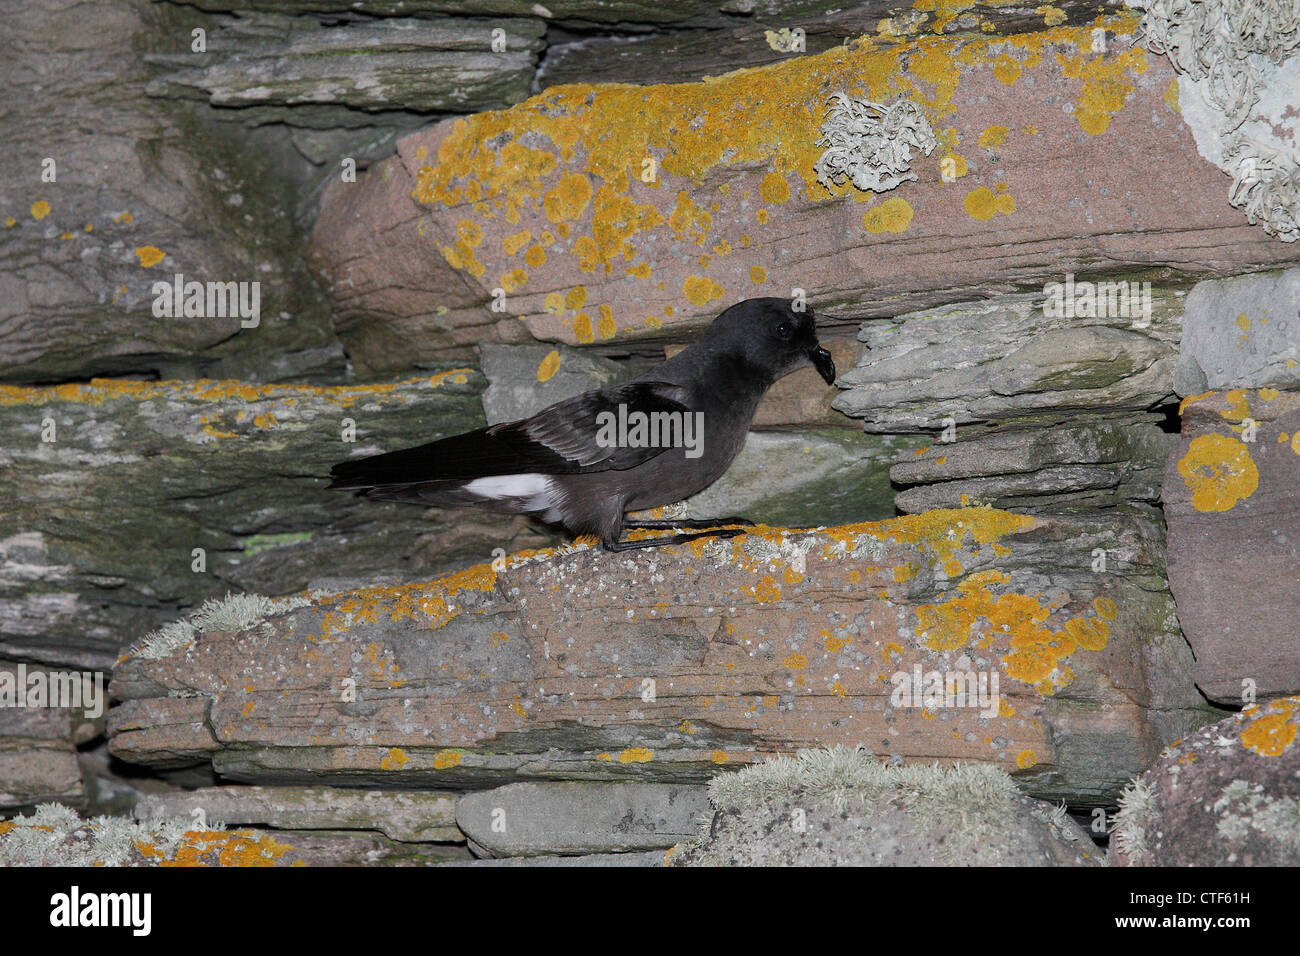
609, 212
56, 836
1232, 504
425, 65
1227, 795
525, 819
1031, 409
1242, 332
407, 816
841, 808
1010, 358
524, 379
119, 482
111, 192
38, 757
664, 665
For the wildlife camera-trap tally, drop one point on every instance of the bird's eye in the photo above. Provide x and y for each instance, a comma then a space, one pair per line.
783, 330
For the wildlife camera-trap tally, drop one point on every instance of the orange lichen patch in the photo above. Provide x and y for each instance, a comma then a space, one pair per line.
569, 199
795, 662
1035, 652
605, 326
219, 848
582, 328
447, 759
766, 590
514, 279
639, 271
576, 297
1052, 16
1105, 608
40, 209
100, 390
757, 274
979, 203
700, 290
1218, 471
1007, 69
123, 217
1105, 87
992, 137
892, 651
1092, 634
892, 215
636, 755
1238, 405
549, 366
587, 141
1272, 728
149, 256
512, 244
774, 189
1026, 759
720, 756
1191, 399
690, 221
394, 759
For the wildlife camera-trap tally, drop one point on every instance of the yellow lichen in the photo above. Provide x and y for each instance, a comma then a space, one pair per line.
893, 215
549, 366
149, 256
1272, 728
1218, 471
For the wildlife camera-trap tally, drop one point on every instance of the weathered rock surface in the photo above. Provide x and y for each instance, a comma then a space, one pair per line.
524, 379
111, 191
840, 808
526, 819
284, 63
1227, 795
98, 546
57, 836
1242, 332
546, 201
1004, 359
1232, 504
662, 665
644, 858
806, 479
683, 56
1093, 461
406, 815
38, 761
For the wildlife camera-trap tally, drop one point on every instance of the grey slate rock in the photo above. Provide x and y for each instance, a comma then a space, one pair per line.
1242, 332
528, 819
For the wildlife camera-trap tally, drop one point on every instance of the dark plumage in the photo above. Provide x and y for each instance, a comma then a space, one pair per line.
561, 465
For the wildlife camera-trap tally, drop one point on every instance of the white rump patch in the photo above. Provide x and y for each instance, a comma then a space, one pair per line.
535, 490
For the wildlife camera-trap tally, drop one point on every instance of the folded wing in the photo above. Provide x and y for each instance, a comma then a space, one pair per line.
563, 439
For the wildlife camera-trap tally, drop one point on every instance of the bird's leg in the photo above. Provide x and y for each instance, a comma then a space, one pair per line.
651, 523
671, 539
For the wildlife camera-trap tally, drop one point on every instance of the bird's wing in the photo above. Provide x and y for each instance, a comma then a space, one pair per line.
560, 440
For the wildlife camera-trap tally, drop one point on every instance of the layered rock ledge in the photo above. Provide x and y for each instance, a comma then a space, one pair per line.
668, 664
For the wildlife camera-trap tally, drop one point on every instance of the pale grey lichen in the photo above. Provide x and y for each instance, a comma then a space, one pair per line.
870, 144
1236, 55
55, 835
1136, 804
234, 612
976, 804
1244, 807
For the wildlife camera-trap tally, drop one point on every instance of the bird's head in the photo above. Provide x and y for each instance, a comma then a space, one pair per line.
773, 337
